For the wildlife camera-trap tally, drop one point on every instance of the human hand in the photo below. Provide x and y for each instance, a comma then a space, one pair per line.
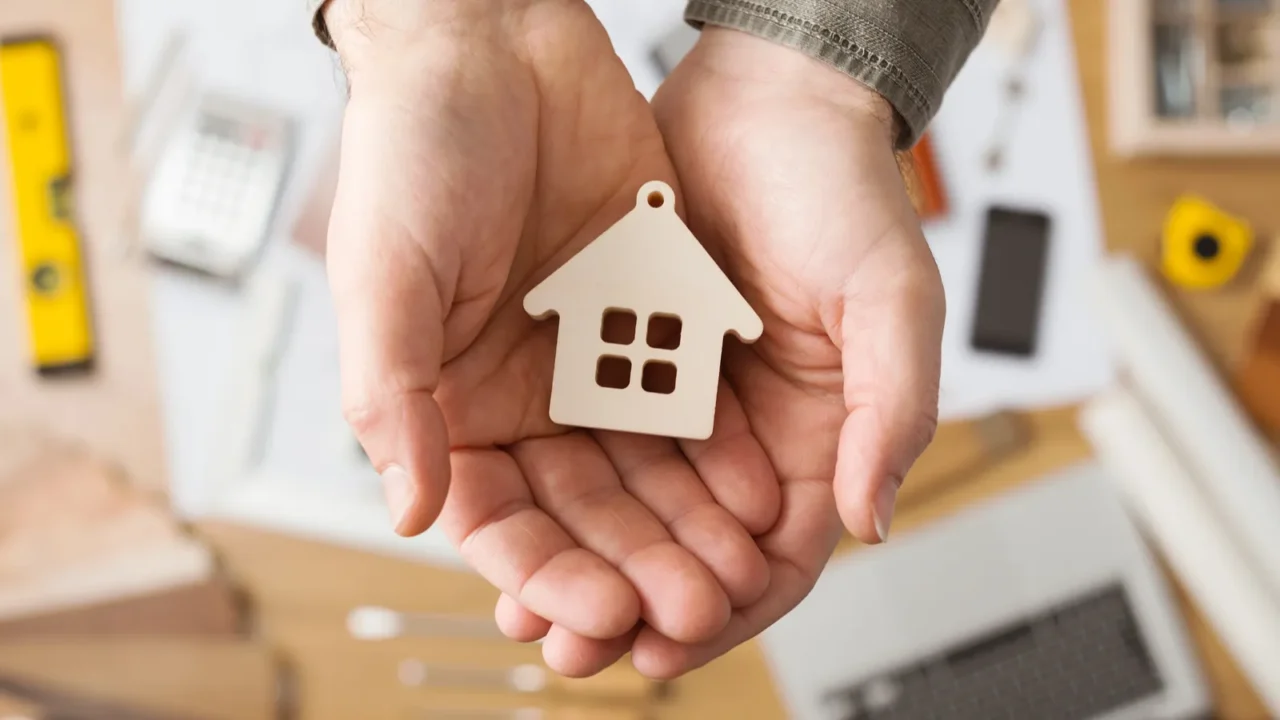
789, 177
483, 144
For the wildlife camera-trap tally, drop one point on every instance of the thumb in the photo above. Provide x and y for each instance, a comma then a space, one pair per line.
390, 300
891, 356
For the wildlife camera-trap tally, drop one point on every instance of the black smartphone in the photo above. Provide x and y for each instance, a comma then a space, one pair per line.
1011, 281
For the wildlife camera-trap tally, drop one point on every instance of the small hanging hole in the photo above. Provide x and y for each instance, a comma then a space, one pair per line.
656, 199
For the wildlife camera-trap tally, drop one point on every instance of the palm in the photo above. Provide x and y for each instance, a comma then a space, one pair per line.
808, 215
591, 531
820, 237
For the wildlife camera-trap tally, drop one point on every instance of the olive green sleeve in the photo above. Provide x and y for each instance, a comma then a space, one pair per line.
909, 51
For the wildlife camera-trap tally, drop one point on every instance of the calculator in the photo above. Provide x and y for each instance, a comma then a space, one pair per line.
211, 200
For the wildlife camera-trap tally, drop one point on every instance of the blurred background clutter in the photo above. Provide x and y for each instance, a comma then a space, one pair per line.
189, 530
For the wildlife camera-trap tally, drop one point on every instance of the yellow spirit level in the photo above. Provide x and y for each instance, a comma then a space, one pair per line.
48, 244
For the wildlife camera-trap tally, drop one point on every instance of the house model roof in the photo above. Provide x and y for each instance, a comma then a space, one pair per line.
648, 261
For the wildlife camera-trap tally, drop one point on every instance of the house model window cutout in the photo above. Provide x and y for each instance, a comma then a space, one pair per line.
643, 314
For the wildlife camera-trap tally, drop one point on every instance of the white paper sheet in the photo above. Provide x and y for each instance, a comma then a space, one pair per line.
1047, 167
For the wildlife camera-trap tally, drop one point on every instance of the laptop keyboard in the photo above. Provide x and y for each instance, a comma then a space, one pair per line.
1074, 662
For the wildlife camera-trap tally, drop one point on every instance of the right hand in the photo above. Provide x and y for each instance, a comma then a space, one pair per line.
484, 143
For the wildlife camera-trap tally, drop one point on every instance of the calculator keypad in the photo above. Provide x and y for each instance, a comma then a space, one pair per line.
213, 198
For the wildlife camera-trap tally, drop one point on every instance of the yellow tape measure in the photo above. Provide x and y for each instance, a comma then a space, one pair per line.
1204, 247
48, 243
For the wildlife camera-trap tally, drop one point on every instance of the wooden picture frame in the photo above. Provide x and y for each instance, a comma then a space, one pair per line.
1194, 77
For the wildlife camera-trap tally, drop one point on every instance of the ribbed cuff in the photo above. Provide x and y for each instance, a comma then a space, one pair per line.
909, 52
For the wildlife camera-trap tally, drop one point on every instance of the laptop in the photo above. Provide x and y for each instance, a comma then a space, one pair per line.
1043, 602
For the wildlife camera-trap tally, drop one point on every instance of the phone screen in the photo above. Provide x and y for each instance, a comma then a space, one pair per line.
1011, 284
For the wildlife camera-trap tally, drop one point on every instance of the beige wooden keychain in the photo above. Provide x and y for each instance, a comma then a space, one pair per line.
643, 314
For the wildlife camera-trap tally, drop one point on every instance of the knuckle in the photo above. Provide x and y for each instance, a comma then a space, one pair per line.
927, 426
362, 415
921, 429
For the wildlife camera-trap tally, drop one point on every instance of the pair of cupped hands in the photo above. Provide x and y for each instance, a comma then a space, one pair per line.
484, 143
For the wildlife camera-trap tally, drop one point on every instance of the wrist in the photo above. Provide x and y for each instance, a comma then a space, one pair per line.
771, 67
871, 109
396, 32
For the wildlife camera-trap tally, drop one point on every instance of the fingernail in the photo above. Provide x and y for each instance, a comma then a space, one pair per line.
886, 497
398, 488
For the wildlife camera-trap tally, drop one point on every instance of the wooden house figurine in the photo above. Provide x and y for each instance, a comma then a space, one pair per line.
643, 312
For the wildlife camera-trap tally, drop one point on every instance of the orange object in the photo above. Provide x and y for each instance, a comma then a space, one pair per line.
930, 196
1258, 378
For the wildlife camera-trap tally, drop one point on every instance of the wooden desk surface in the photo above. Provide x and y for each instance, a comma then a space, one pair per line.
1134, 196
303, 591
191, 678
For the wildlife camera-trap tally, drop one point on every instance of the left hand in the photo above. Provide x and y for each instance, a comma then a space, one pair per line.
789, 178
